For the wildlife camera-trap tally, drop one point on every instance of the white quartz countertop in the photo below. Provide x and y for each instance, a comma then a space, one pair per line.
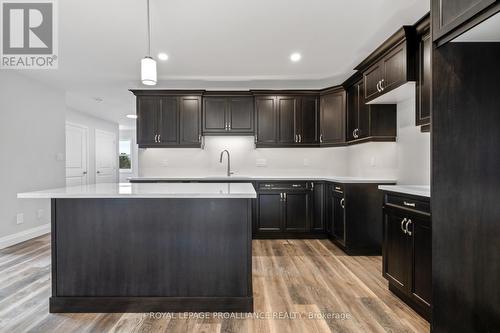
147, 190
419, 190
335, 179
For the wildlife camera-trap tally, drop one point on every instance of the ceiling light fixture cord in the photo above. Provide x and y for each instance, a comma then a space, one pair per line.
149, 32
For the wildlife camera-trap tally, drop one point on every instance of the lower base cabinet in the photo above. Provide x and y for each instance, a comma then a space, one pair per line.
407, 250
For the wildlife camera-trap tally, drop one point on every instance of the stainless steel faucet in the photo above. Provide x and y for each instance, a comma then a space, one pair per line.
229, 173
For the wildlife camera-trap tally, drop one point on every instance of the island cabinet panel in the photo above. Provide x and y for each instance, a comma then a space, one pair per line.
140, 255
450, 18
407, 250
228, 115
332, 117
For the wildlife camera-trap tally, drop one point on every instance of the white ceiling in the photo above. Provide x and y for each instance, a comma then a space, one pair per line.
217, 44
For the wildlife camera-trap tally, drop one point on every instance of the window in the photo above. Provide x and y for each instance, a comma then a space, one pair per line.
125, 156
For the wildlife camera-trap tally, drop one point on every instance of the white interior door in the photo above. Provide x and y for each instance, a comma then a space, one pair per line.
106, 157
76, 154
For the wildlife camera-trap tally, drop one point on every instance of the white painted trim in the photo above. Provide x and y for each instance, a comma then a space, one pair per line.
87, 145
23, 236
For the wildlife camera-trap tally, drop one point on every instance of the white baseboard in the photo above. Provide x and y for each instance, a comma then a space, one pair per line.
24, 236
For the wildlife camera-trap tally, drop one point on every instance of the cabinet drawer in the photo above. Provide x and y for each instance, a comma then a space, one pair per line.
408, 203
273, 186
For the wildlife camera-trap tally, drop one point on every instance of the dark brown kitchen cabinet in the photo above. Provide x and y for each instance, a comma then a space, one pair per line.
407, 250
283, 210
390, 66
228, 115
423, 86
286, 120
318, 197
168, 120
332, 117
450, 18
368, 122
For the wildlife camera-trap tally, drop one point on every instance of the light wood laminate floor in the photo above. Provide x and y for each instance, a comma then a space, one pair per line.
294, 281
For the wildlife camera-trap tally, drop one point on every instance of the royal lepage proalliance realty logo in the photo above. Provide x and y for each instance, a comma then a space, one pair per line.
29, 34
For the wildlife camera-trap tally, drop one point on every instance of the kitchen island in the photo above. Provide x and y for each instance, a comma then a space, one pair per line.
151, 247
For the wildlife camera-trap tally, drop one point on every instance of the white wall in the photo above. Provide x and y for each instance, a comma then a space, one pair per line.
92, 123
32, 147
413, 148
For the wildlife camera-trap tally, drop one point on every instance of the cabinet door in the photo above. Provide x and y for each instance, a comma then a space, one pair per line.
372, 78
287, 110
214, 120
394, 68
364, 116
269, 211
190, 116
308, 119
339, 220
169, 121
353, 99
297, 211
329, 209
148, 110
265, 108
240, 115
423, 98
318, 221
451, 14
421, 235
333, 118
397, 251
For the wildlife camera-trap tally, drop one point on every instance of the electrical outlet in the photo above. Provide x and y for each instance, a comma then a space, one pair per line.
261, 162
20, 218
39, 214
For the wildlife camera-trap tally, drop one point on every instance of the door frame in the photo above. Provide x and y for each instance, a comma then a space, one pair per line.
97, 130
87, 144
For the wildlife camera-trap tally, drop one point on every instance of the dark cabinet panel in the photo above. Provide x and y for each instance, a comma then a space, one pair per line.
394, 68
270, 212
148, 114
451, 15
169, 121
190, 120
398, 262
241, 115
297, 211
308, 120
287, 110
338, 217
332, 117
215, 111
353, 99
423, 95
318, 220
265, 108
372, 79
422, 259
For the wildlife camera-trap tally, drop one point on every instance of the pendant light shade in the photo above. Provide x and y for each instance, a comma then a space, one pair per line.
148, 71
148, 64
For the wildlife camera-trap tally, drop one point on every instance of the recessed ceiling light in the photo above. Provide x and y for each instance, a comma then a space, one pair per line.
132, 116
163, 56
295, 57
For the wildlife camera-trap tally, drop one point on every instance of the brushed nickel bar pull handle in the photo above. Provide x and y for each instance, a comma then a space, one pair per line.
409, 204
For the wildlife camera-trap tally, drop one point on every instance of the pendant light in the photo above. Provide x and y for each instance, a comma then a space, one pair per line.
148, 64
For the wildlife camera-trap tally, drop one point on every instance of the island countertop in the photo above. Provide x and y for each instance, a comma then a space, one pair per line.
418, 190
146, 190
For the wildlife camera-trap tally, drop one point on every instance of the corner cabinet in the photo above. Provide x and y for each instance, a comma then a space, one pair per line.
286, 120
166, 120
389, 67
366, 122
332, 117
228, 115
450, 18
407, 250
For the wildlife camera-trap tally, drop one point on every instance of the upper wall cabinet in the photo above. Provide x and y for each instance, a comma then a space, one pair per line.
167, 119
286, 120
424, 70
368, 122
332, 117
228, 115
390, 67
451, 18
